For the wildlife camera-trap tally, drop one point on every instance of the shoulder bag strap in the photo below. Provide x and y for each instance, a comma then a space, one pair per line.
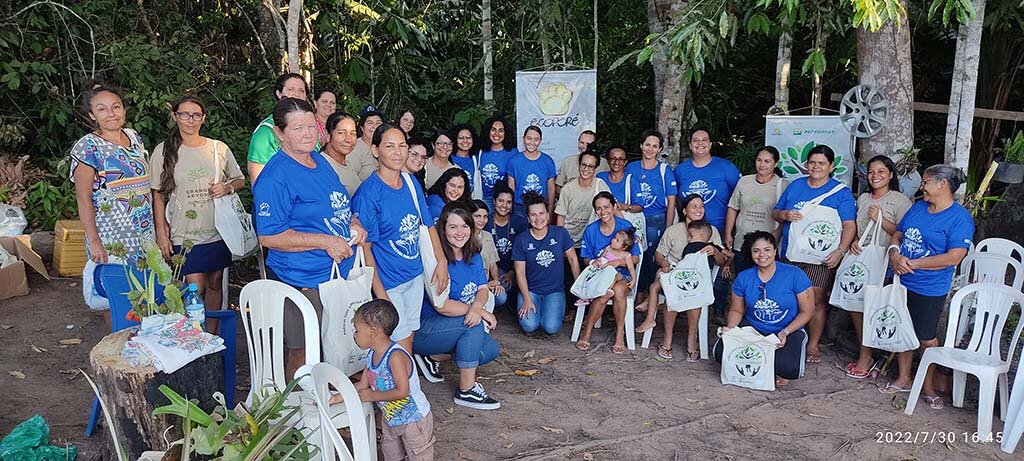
415, 199
821, 198
628, 194
216, 162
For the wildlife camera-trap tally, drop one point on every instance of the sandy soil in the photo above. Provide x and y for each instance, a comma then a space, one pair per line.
587, 406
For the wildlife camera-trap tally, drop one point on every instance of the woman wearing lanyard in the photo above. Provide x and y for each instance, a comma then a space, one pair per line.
751, 204
531, 171
623, 186
933, 237
494, 155
303, 219
385, 205
575, 208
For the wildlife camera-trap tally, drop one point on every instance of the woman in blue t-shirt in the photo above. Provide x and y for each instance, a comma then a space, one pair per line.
596, 237
622, 185
540, 255
499, 147
504, 230
452, 186
932, 237
713, 178
465, 153
456, 329
658, 197
774, 298
303, 218
820, 163
531, 171
391, 207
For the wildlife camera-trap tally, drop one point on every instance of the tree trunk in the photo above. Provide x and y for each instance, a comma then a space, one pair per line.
669, 90
960, 119
307, 47
782, 66
596, 35
272, 31
883, 60
292, 32
485, 31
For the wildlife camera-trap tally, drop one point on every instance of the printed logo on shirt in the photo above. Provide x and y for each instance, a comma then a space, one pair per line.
553, 242
408, 244
768, 311
504, 245
489, 174
264, 210
700, 187
530, 246
338, 224
647, 195
799, 205
545, 258
468, 293
913, 244
532, 183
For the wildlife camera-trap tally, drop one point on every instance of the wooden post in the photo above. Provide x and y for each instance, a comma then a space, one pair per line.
131, 394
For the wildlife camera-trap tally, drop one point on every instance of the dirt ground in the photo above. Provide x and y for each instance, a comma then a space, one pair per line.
591, 406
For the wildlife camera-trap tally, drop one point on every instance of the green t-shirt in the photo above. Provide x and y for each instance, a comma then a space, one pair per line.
264, 143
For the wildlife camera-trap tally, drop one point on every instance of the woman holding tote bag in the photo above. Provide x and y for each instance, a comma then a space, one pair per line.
818, 227
879, 211
932, 237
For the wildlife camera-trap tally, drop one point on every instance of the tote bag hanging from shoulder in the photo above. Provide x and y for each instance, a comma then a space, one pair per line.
689, 285
887, 322
341, 297
232, 222
748, 359
426, 251
478, 184
812, 238
638, 220
858, 271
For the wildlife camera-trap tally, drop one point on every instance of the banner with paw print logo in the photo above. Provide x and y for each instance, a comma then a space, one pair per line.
561, 103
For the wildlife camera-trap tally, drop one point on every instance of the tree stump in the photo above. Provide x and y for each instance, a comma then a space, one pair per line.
131, 394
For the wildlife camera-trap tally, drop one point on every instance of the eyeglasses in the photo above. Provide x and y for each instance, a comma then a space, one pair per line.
617, 160
443, 143
417, 155
186, 116
587, 166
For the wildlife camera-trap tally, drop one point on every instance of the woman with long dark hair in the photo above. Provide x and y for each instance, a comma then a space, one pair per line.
452, 186
751, 203
499, 145
188, 172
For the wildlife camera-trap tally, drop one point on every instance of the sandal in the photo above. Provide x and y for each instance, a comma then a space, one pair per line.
814, 358
583, 345
891, 388
617, 350
693, 356
664, 353
856, 373
935, 402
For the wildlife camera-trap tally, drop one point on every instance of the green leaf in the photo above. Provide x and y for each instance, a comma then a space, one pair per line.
790, 170
180, 407
209, 440
723, 24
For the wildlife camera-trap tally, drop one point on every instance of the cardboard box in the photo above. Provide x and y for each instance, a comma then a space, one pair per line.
13, 281
69, 248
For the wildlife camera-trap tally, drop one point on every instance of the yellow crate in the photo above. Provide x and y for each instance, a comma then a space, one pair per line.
69, 248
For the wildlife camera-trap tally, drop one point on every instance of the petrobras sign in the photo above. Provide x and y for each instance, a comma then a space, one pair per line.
795, 135
562, 103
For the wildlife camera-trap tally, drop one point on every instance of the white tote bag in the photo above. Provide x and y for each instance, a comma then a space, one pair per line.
689, 285
638, 220
426, 251
858, 271
478, 184
812, 238
748, 359
887, 323
341, 297
232, 222
593, 282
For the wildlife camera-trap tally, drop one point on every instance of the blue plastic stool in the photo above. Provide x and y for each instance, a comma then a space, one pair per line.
110, 282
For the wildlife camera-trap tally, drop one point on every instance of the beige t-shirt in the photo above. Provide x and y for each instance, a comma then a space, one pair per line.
570, 169
190, 207
577, 206
348, 176
894, 205
361, 160
433, 173
488, 251
674, 240
754, 202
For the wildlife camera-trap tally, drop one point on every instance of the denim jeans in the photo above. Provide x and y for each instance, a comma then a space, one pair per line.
655, 227
469, 346
549, 314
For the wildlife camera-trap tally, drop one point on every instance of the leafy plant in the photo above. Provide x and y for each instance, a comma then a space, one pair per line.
46, 203
1013, 149
155, 271
745, 157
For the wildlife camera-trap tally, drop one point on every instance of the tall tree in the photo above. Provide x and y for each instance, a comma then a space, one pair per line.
883, 60
960, 119
485, 31
783, 63
670, 88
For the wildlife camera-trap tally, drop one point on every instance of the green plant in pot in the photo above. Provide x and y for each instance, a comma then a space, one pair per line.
1011, 170
155, 283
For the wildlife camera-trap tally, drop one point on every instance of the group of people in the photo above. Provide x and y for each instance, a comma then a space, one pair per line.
506, 227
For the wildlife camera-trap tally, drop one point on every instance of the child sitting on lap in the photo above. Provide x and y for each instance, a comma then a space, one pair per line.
619, 248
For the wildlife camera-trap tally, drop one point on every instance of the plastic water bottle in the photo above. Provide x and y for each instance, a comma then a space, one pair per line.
195, 310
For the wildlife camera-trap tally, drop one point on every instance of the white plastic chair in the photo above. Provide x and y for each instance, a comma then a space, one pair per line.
983, 356
702, 324
627, 322
326, 377
1014, 425
1001, 246
988, 268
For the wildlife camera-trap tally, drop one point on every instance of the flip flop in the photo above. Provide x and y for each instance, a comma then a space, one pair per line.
583, 345
890, 388
618, 350
814, 358
935, 402
664, 354
693, 356
853, 372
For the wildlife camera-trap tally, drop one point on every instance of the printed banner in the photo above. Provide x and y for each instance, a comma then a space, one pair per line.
795, 135
562, 104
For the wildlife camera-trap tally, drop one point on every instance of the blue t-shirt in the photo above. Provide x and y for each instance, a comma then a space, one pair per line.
594, 242
772, 305
714, 182
545, 259
435, 203
653, 191
464, 280
927, 234
531, 175
493, 166
799, 193
618, 189
466, 163
393, 227
504, 236
312, 200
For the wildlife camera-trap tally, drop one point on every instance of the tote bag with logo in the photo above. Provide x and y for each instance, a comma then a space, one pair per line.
689, 285
858, 271
593, 282
887, 323
341, 297
748, 359
232, 222
812, 238
638, 220
426, 251
478, 184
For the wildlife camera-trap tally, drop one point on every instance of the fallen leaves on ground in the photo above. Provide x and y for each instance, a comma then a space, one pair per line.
552, 429
527, 373
545, 360
70, 342
529, 355
17, 374
7, 327
588, 457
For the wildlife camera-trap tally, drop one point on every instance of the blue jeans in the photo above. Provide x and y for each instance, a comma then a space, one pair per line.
549, 313
655, 227
469, 346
